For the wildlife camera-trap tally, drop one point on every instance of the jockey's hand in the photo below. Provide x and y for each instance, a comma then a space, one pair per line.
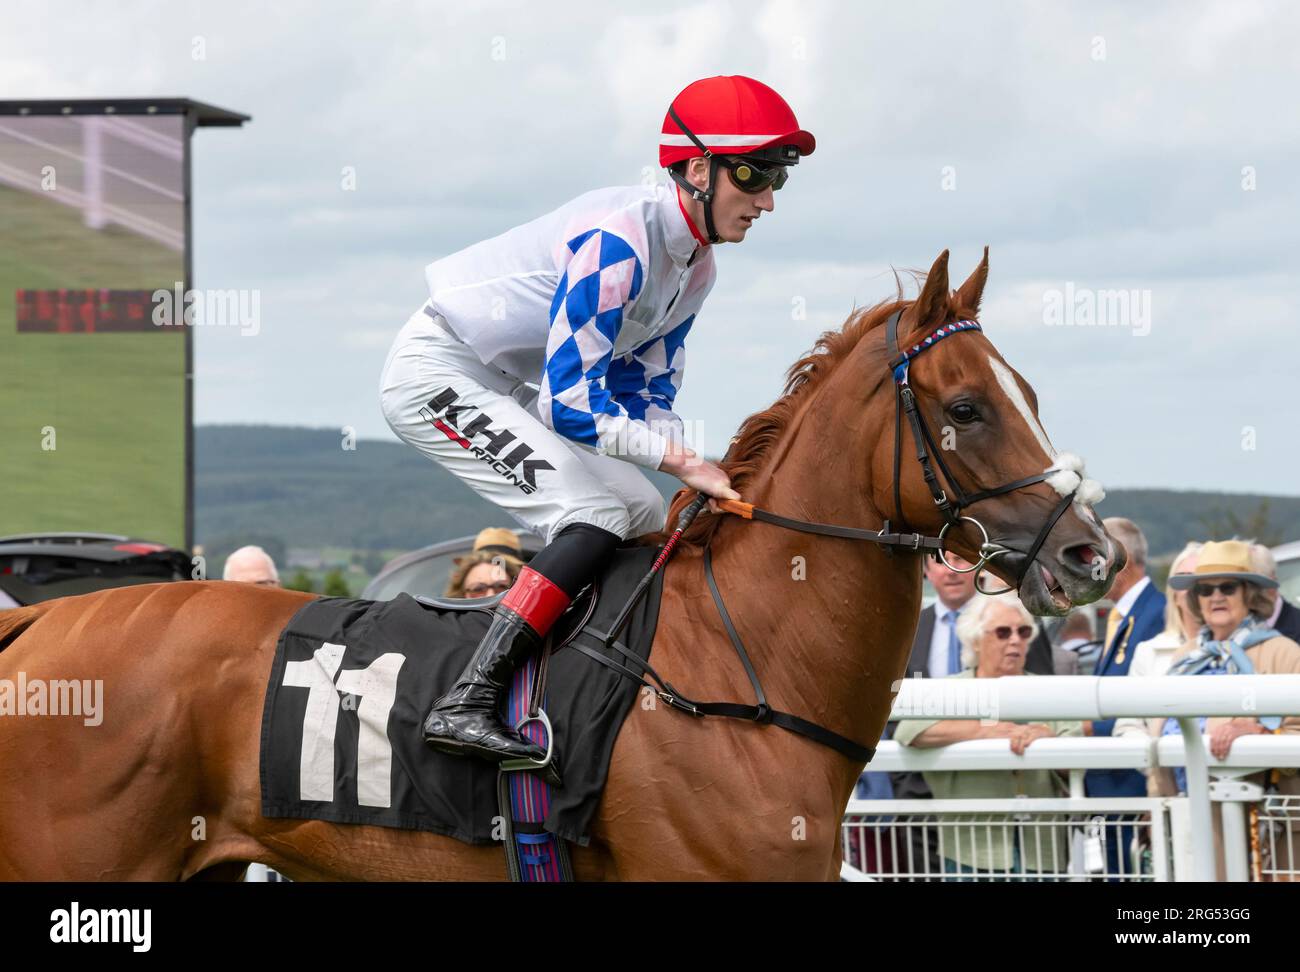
698, 473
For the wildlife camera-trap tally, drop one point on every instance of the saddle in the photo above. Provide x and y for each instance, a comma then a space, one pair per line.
352, 680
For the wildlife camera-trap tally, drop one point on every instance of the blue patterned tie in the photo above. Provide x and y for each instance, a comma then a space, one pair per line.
954, 646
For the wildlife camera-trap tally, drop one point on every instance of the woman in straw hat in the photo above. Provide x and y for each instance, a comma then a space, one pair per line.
1229, 599
490, 568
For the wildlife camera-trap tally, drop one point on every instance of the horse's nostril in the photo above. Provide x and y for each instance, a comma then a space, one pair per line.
1084, 553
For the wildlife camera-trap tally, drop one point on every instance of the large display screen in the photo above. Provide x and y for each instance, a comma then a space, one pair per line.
93, 417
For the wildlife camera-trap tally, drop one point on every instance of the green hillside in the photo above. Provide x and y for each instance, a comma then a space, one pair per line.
302, 489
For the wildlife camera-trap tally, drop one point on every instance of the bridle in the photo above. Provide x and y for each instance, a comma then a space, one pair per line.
927, 454
905, 404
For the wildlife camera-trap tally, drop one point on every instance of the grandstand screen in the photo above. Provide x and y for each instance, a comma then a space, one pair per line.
94, 416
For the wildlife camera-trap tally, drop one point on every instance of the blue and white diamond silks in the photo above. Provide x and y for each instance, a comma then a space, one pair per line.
589, 396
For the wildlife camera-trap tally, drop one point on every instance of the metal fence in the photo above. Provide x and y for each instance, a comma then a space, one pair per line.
1227, 814
1275, 839
1035, 840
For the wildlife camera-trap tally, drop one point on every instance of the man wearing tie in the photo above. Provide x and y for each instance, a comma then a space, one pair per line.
1138, 614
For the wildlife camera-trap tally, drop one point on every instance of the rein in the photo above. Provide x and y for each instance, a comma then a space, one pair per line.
904, 404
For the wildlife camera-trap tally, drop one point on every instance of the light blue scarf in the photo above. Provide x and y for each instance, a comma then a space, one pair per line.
1226, 657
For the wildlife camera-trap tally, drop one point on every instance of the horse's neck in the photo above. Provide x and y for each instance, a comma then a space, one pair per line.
828, 621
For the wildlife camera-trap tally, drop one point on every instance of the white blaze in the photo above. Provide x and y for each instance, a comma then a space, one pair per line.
1066, 473
1012, 389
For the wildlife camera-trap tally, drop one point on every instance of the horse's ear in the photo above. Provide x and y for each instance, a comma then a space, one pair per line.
931, 308
969, 294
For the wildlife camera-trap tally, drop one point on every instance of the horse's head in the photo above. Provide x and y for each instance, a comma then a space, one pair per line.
984, 436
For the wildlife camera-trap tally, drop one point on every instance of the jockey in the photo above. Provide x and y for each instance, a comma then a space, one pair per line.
542, 371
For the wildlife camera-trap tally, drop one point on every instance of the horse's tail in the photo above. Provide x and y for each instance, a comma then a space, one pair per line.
15, 621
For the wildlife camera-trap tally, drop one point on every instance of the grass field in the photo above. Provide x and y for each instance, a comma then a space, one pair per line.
115, 401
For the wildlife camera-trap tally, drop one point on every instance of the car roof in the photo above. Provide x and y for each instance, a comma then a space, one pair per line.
1287, 551
530, 542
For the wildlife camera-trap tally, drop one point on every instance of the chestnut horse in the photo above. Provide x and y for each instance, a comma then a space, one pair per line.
167, 787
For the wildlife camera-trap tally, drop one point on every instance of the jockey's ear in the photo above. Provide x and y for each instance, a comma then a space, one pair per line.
930, 310
968, 295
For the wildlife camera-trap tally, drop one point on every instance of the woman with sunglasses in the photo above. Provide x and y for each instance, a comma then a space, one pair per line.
1228, 599
490, 568
544, 366
482, 574
995, 633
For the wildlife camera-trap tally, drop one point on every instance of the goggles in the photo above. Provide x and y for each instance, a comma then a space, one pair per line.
749, 176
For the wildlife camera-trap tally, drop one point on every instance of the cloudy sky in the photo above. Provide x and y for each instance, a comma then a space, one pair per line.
1151, 149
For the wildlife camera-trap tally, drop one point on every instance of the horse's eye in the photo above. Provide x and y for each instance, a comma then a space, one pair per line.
964, 412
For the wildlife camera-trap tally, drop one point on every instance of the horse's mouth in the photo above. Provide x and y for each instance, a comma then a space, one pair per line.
1042, 593
1055, 591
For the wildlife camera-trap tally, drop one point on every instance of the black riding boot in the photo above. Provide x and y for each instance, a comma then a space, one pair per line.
468, 719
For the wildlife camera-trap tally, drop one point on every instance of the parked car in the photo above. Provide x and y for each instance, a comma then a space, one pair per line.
426, 571
41, 566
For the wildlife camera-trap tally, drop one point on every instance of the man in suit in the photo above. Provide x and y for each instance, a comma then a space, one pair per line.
1138, 614
1285, 619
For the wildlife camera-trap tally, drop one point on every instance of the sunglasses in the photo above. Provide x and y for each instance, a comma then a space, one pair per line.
748, 176
486, 590
1003, 632
1226, 588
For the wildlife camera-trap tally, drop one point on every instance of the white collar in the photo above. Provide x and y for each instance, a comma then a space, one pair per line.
1125, 604
679, 239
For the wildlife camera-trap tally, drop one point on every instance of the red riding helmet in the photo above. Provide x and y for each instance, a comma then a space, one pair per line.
730, 115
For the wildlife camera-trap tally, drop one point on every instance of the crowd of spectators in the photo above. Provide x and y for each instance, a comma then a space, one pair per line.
1221, 612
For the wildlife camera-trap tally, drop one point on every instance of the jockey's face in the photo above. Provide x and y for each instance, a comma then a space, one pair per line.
734, 210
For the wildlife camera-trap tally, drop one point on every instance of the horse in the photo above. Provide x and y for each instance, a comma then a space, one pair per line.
167, 786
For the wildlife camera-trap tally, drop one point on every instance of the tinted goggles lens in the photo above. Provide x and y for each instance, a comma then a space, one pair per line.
751, 177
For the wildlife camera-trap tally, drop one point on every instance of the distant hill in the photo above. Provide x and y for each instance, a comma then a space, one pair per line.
299, 488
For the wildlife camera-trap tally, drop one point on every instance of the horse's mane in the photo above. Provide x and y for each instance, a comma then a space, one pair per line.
760, 433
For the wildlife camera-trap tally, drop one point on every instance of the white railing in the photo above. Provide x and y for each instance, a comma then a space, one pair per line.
1180, 829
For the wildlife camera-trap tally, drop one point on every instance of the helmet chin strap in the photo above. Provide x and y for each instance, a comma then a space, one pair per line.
704, 195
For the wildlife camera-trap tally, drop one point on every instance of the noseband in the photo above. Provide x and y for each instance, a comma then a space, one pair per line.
951, 509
